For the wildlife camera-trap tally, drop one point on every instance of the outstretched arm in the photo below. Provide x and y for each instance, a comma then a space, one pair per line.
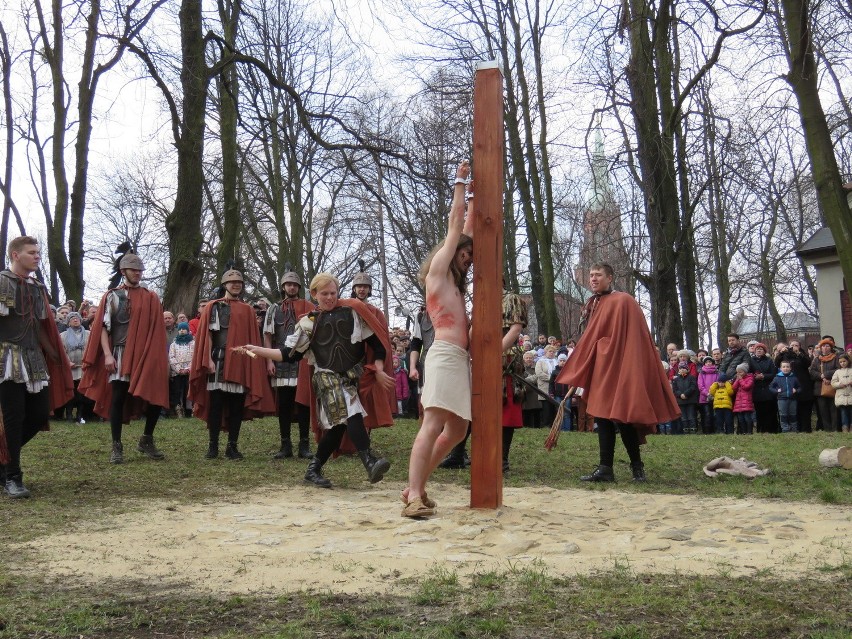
444, 257
468, 223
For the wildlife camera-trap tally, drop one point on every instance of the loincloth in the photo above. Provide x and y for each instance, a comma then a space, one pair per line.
447, 379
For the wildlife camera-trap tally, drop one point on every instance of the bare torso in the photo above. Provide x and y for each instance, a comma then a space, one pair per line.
445, 305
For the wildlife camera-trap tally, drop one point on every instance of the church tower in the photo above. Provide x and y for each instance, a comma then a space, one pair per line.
602, 240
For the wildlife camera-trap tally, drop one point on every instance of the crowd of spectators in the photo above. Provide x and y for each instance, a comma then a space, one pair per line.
742, 389
747, 389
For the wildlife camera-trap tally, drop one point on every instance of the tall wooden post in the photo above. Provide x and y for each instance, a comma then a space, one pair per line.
486, 478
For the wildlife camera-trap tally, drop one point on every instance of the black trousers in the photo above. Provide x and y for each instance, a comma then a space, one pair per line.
332, 437
116, 411
804, 411
286, 405
24, 414
179, 387
220, 403
606, 441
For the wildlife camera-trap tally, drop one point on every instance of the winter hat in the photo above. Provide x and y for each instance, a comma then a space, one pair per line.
722, 377
183, 326
742, 368
752, 343
849, 347
562, 358
708, 360
761, 345
830, 342
72, 315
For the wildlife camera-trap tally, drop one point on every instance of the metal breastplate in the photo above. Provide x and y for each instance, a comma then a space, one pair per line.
427, 333
120, 319
219, 339
332, 341
20, 326
285, 325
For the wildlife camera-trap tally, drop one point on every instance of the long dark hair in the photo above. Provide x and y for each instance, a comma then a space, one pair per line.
459, 278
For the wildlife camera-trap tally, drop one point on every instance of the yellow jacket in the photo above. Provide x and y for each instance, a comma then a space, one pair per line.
722, 394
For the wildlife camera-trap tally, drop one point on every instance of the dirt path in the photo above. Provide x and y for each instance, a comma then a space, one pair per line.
348, 541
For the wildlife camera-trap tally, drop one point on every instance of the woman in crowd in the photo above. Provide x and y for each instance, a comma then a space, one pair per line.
543, 370
532, 404
821, 370
74, 339
765, 401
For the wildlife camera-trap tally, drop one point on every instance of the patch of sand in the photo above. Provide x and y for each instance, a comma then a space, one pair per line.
355, 541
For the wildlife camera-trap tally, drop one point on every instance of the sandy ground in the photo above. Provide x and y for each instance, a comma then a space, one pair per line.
356, 541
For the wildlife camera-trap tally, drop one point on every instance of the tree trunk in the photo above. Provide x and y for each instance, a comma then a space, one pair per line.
183, 224
803, 79
228, 85
656, 163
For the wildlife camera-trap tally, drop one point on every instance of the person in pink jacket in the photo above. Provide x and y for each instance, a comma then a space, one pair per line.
401, 377
707, 376
743, 403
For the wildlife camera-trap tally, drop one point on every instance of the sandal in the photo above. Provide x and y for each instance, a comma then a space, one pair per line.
416, 509
403, 497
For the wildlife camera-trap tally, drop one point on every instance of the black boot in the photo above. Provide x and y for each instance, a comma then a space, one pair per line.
147, 447
14, 487
232, 453
638, 471
454, 460
116, 456
286, 450
314, 474
304, 449
601, 473
212, 450
376, 468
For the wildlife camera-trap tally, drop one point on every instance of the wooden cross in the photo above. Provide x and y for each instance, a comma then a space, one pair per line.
486, 476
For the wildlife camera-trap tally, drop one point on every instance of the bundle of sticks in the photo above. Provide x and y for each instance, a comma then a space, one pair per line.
565, 404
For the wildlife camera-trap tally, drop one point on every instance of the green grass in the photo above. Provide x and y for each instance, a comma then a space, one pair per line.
72, 484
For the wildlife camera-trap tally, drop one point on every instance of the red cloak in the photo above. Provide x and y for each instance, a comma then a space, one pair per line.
303, 385
379, 403
618, 367
145, 358
60, 389
61, 386
365, 313
239, 369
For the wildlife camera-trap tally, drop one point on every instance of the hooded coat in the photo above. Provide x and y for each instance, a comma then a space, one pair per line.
743, 402
616, 333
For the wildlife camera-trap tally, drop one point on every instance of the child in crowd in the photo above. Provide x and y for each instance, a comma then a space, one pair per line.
401, 377
722, 392
685, 388
685, 357
707, 376
743, 402
181, 352
786, 387
842, 382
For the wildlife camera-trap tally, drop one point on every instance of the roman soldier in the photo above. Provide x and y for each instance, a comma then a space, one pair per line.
279, 323
335, 340
125, 365
226, 387
378, 402
35, 374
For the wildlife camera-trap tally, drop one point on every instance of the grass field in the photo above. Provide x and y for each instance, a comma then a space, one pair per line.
72, 484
